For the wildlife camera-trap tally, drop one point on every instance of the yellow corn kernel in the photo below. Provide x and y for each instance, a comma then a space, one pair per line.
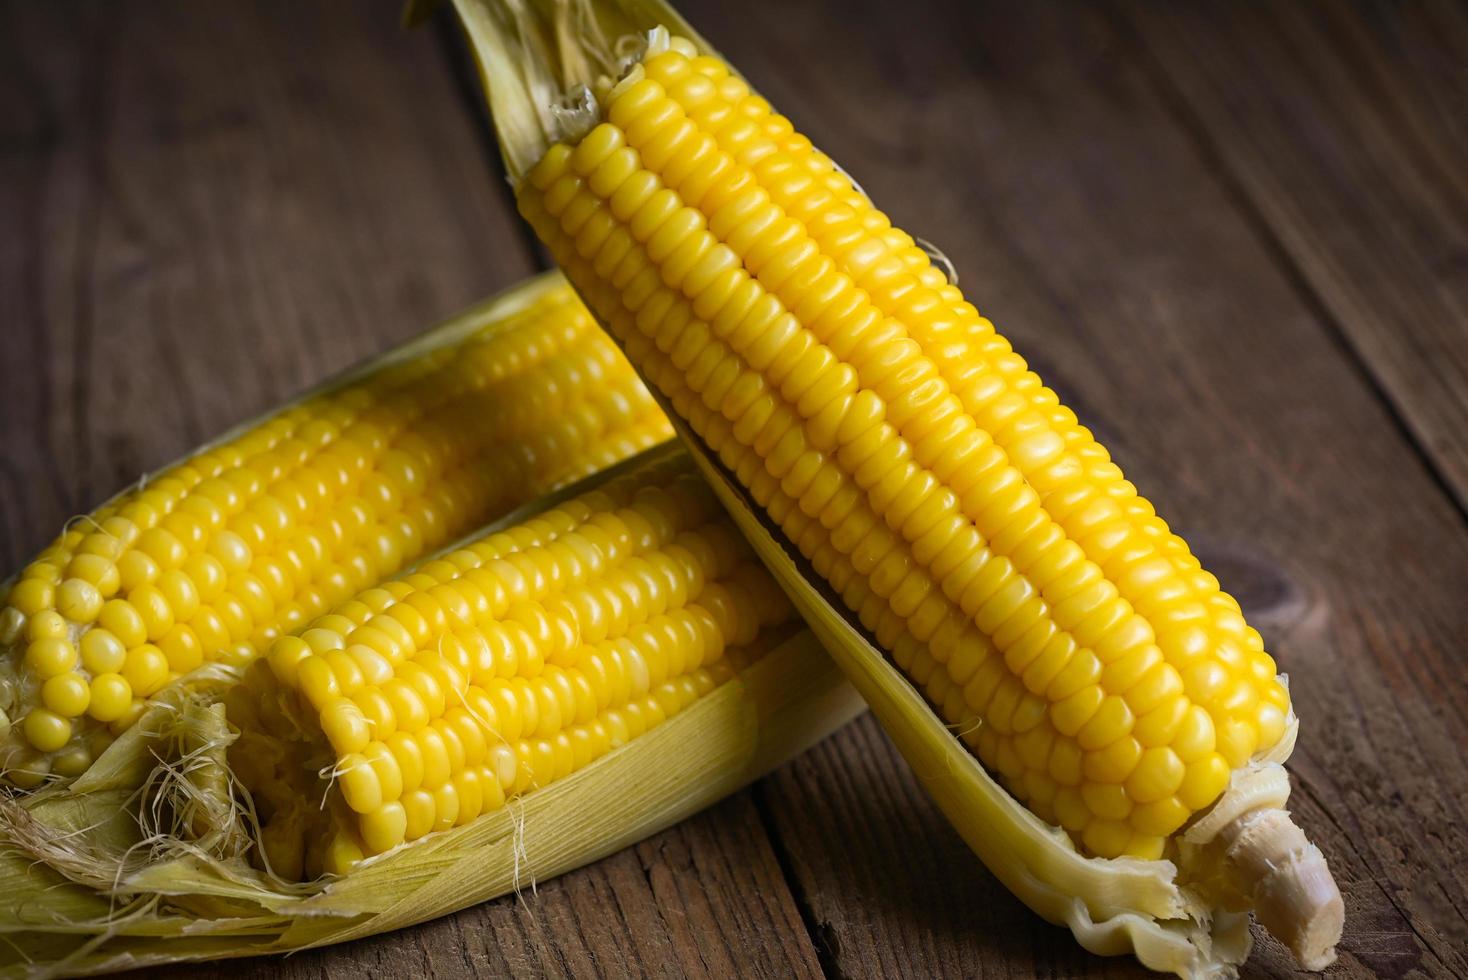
31, 596
145, 670
135, 569
343, 854
47, 625
101, 652
110, 698
120, 619
47, 730
49, 656
66, 694
78, 600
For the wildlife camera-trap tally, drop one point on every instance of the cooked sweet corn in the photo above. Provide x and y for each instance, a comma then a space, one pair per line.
974, 526
503, 666
214, 558
831, 377
611, 657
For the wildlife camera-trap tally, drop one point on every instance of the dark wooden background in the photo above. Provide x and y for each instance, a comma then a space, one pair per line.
1234, 236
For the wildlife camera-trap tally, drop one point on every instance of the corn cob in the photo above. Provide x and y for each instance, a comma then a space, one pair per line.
503, 666
832, 378
616, 634
215, 557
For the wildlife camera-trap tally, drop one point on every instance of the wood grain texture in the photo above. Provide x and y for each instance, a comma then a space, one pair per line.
705, 899
1095, 230
204, 212
207, 209
1345, 129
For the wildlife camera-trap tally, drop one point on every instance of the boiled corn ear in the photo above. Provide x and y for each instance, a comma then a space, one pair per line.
499, 668
213, 558
581, 674
832, 379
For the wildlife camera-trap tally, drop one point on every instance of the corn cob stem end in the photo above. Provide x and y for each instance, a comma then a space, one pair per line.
1294, 895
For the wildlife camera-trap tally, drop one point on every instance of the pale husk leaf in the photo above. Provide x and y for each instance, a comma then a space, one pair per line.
73, 870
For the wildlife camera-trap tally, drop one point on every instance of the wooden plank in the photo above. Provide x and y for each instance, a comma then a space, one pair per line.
1029, 145
206, 212
1344, 126
706, 899
214, 207
890, 887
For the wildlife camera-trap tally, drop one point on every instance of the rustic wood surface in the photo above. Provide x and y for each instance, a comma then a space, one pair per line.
1235, 239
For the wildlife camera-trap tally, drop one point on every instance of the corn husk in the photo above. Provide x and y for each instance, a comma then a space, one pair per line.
1171, 919
93, 885
144, 859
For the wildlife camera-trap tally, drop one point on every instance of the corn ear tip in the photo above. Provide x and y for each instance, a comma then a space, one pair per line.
1295, 897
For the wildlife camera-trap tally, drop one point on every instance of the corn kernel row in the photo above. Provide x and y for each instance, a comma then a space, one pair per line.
247, 540
975, 528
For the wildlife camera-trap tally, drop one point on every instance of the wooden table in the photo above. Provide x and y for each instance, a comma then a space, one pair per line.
1235, 238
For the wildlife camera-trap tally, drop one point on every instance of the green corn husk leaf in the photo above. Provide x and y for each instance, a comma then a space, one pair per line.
102, 875
1112, 906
